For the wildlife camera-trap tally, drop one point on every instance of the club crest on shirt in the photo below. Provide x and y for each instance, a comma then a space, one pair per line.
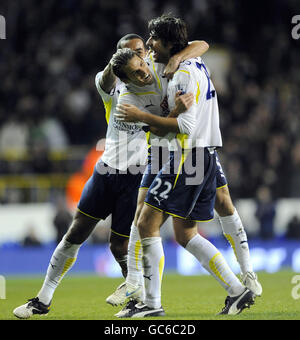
181, 87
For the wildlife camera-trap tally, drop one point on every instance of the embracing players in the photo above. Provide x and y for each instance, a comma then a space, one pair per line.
168, 194
113, 187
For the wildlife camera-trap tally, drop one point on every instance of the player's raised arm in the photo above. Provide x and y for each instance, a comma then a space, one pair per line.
108, 80
195, 49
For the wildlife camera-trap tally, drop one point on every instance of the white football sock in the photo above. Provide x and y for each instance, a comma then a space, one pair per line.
153, 265
235, 233
134, 258
61, 262
213, 261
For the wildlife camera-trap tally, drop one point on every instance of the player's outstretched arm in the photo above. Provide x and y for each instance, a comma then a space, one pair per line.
195, 49
108, 79
130, 113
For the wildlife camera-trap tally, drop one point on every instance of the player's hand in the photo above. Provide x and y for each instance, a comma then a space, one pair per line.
127, 113
182, 103
172, 67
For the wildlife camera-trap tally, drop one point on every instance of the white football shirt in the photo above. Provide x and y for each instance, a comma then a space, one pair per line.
126, 143
199, 125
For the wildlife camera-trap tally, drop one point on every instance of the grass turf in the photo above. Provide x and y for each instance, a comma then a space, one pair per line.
183, 298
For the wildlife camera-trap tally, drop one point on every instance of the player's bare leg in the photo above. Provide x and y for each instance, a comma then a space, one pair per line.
61, 262
235, 234
223, 203
211, 259
119, 246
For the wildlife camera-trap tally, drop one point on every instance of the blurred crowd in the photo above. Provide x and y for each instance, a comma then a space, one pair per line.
54, 49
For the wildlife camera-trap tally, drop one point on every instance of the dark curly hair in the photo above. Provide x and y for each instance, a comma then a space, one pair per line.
120, 59
129, 37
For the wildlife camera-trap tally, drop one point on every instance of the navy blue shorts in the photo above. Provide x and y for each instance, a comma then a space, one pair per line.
171, 193
111, 193
150, 173
157, 156
220, 176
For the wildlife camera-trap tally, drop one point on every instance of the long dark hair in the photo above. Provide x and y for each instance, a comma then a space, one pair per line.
169, 29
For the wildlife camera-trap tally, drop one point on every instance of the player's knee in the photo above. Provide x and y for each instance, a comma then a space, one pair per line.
80, 229
181, 240
138, 212
183, 237
184, 230
144, 226
140, 205
149, 222
223, 204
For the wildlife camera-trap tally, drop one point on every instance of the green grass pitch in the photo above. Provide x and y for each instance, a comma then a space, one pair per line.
183, 298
